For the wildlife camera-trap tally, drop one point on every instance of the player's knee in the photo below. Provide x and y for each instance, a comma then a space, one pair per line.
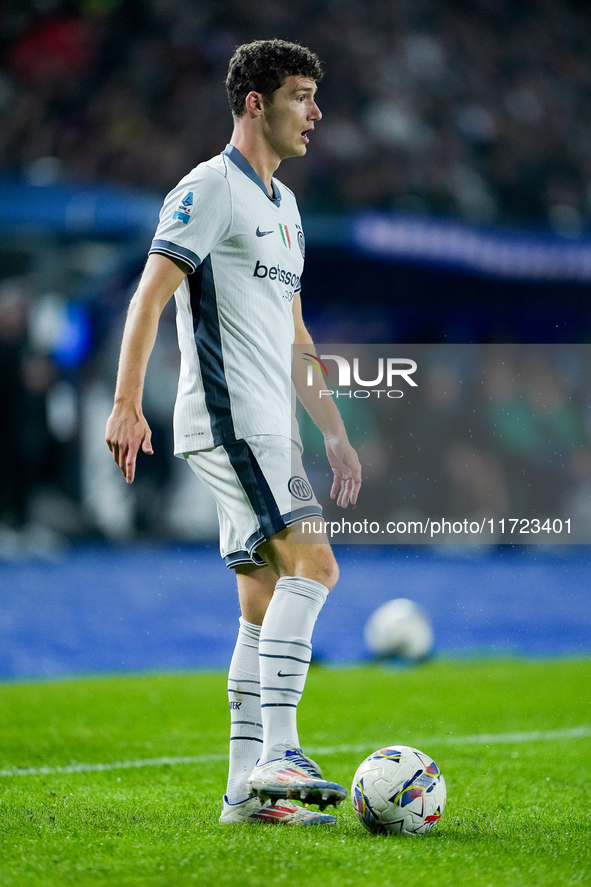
326, 569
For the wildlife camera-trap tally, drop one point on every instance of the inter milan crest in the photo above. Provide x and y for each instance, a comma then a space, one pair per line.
301, 242
299, 488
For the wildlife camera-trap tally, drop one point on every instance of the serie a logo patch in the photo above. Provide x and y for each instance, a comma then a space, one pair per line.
183, 213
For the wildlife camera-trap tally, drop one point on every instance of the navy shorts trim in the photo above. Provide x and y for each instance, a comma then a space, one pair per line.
249, 555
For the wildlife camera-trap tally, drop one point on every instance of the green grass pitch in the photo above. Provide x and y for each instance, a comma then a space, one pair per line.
518, 811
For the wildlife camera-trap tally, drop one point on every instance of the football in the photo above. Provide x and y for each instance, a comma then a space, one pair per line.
398, 790
399, 628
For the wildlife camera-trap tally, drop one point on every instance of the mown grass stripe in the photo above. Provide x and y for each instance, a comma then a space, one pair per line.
477, 739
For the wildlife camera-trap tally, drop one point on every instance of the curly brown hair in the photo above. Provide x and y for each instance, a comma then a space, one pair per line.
263, 66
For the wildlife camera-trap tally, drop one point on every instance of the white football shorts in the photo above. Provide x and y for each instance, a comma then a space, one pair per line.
260, 487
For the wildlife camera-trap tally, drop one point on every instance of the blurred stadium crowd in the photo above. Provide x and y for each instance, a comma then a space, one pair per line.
476, 110
472, 108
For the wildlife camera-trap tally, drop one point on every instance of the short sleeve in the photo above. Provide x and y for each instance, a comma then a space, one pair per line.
195, 216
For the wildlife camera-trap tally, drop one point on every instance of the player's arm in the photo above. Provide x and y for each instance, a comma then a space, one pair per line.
127, 429
342, 457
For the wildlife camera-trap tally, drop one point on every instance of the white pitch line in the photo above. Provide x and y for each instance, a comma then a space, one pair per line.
477, 739
114, 765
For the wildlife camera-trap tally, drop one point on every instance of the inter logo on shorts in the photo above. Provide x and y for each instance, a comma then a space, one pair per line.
299, 488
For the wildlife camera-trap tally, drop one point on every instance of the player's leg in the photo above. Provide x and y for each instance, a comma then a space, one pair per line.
305, 578
250, 481
306, 574
255, 590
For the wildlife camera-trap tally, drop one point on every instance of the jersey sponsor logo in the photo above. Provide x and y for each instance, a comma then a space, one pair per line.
276, 272
285, 235
299, 488
183, 213
260, 233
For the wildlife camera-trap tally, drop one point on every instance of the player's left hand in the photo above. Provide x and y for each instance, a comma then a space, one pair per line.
346, 469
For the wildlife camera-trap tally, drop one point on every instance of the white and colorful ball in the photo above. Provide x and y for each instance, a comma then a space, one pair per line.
398, 790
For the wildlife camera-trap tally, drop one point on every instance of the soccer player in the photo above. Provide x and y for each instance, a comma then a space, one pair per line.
230, 247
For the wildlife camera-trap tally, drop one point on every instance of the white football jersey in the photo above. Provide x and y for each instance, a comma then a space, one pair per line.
234, 311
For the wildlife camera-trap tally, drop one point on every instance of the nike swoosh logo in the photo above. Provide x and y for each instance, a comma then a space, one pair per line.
299, 674
262, 233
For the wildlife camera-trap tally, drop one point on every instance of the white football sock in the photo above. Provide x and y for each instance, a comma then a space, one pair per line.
246, 732
284, 652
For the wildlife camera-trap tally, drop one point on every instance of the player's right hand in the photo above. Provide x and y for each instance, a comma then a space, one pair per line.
127, 431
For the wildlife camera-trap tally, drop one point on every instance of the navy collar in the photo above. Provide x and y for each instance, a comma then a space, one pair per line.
242, 163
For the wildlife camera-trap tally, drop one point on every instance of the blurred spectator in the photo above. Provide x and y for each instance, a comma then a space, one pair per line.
39, 483
14, 485
53, 50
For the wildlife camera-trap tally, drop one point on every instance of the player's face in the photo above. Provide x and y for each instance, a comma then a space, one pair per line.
290, 117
